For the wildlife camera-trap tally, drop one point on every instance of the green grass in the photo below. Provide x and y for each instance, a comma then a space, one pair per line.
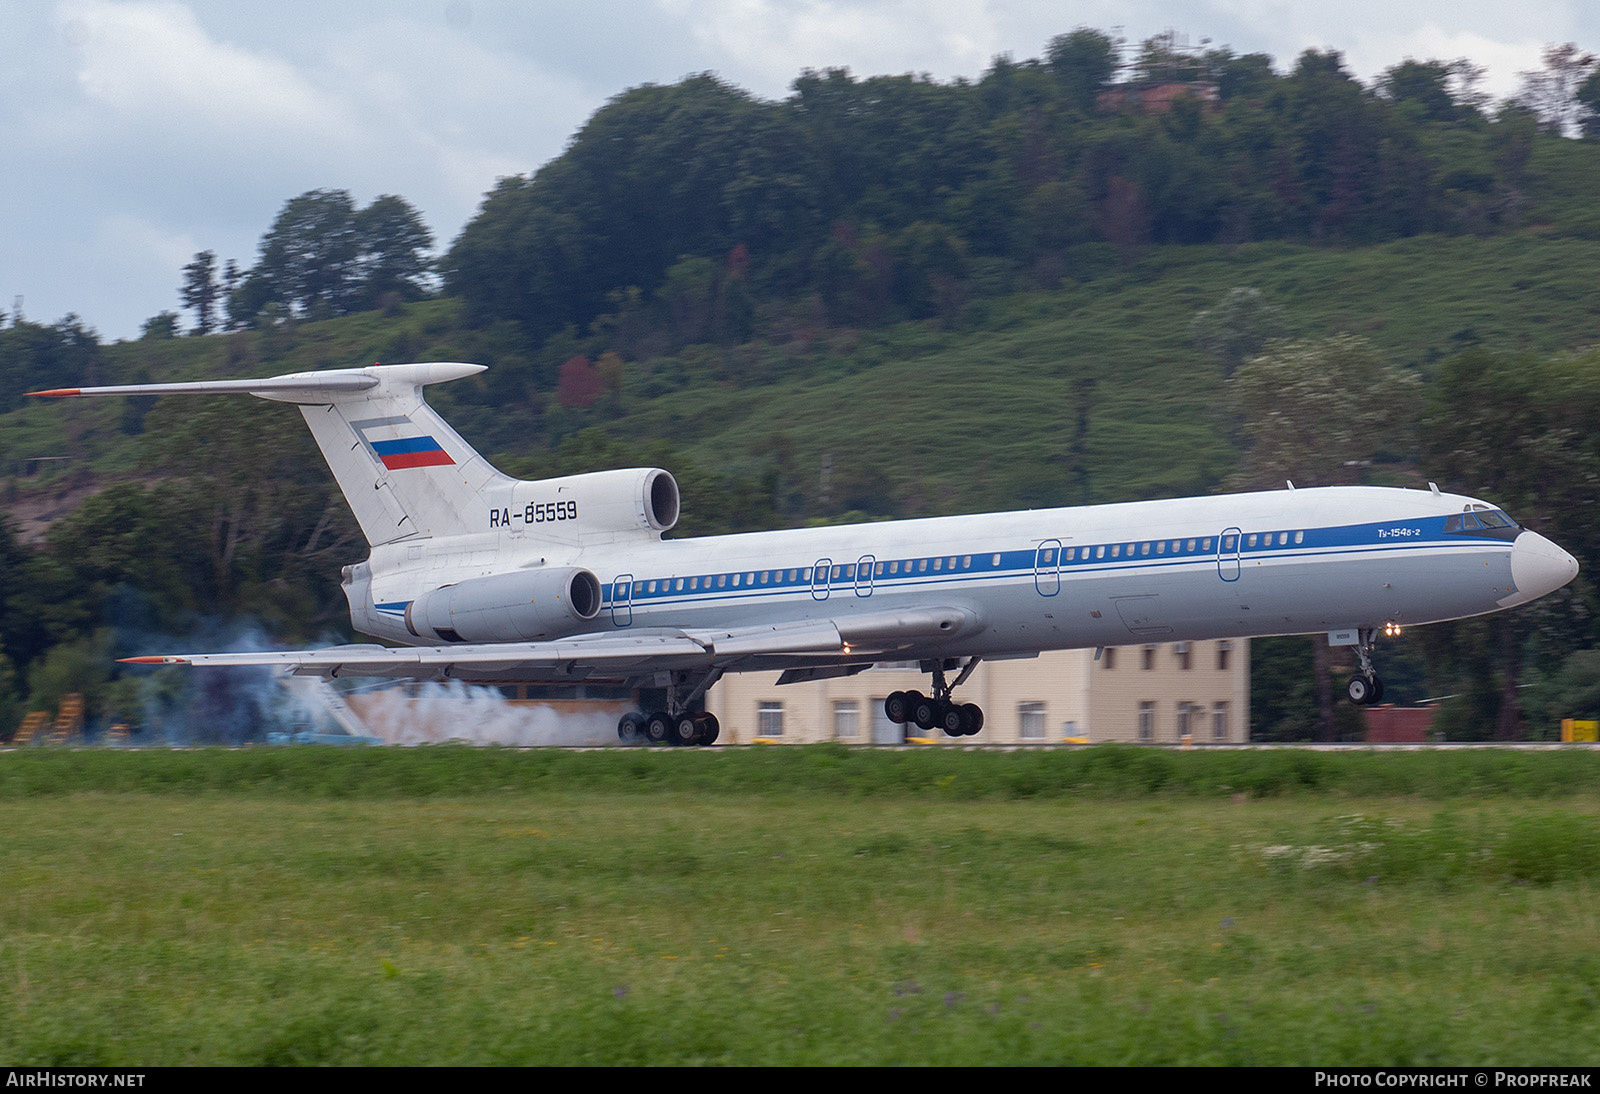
791, 906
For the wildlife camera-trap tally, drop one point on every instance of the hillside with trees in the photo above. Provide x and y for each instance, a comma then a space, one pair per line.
1071, 280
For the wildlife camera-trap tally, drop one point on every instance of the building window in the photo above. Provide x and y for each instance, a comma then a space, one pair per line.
1219, 722
1108, 657
846, 718
1147, 721
1030, 717
1149, 657
1185, 655
1185, 708
1224, 649
769, 719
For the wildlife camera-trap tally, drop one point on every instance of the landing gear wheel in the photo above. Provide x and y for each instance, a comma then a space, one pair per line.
973, 715
685, 729
924, 711
658, 727
709, 728
897, 708
630, 728
1377, 690
1362, 689
952, 719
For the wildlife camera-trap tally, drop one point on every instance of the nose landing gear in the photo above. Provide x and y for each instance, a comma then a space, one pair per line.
1365, 688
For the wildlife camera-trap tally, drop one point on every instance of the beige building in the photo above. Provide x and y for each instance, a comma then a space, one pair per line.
1150, 693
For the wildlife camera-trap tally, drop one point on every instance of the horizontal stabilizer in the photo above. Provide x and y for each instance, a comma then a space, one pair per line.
295, 387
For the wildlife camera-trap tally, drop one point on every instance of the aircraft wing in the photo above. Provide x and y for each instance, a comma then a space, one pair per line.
617, 655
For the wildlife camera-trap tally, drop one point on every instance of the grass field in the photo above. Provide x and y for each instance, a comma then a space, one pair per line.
775, 906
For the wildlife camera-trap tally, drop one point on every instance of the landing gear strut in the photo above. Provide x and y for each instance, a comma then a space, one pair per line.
940, 711
1365, 688
677, 725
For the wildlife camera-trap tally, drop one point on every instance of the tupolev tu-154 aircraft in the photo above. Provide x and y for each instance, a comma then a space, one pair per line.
485, 578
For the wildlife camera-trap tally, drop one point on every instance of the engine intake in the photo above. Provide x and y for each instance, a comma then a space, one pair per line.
518, 607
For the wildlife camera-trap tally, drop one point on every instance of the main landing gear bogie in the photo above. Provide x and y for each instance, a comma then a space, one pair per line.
697, 727
940, 710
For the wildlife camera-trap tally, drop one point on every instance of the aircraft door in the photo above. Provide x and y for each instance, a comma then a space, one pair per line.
1228, 554
1047, 567
864, 566
622, 600
821, 579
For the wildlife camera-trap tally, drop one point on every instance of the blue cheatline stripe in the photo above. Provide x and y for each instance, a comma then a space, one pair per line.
1399, 535
405, 445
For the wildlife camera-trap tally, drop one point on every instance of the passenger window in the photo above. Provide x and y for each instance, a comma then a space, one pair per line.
1144, 548
1299, 537
1283, 539
1116, 550
1191, 545
1100, 551
1161, 547
1251, 542
937, 563
996, 560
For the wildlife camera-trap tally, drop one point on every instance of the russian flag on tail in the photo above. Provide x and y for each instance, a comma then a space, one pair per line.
412, 452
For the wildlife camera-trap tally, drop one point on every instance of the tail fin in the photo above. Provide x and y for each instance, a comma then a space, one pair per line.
404, 471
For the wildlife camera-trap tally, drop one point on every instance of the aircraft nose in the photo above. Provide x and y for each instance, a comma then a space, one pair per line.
1539, 566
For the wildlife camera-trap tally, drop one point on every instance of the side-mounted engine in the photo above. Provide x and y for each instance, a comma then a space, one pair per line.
523, 606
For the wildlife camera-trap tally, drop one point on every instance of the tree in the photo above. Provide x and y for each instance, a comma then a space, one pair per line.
161, 325
1083, 62
392, 247
201, 291
1552, 93
1425, 83
1313, 412
309, 257
1239, 327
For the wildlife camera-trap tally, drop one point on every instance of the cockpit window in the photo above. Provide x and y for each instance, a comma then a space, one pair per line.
1478, 520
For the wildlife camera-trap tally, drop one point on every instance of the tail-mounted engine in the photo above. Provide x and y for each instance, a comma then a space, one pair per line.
602, 507
524, 606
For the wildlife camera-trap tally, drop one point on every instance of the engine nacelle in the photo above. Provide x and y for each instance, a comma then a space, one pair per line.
524, 606
600, 507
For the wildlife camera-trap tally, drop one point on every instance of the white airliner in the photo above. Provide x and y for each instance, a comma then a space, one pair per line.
488, 578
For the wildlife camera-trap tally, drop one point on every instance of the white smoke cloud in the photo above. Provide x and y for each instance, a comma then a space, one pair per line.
454, 711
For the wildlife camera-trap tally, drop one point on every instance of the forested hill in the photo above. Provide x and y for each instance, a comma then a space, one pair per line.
902, 197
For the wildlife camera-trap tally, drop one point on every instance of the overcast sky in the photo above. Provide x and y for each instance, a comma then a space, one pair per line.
134, 133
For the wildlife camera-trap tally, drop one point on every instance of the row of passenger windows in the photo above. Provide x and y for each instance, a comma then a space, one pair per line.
1201, 545
802, 575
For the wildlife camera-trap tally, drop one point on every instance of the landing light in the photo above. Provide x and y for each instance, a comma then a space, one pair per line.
1391, 630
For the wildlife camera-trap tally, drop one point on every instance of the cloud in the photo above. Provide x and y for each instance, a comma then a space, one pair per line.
764, 44
153, 60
